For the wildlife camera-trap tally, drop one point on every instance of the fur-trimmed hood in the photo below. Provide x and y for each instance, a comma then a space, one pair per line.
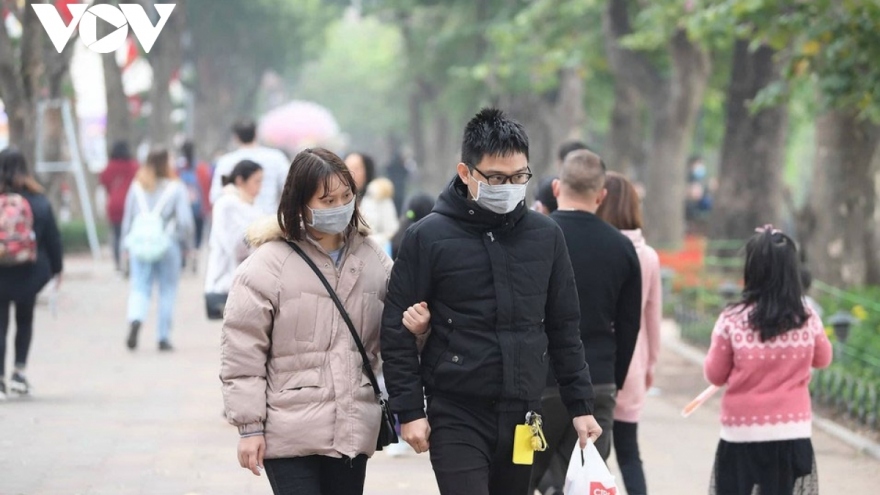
264, 230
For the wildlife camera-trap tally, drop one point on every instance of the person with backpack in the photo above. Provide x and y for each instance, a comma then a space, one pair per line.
299, 365
763, 350
158, 221
30, 255
116, 179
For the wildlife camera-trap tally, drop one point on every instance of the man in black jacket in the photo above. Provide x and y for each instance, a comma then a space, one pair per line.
498, 282
609, 285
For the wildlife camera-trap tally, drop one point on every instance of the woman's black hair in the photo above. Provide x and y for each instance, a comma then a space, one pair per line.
244, 169
417, 207
310, 169
773, 288
15, 177
120, 151
369, 168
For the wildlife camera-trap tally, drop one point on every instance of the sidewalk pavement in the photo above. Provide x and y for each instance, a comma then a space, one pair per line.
103, 420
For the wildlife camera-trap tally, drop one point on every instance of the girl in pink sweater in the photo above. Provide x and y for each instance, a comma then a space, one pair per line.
622, 209
763, 349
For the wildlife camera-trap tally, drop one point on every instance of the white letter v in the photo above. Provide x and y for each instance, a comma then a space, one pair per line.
51, 20
143, 29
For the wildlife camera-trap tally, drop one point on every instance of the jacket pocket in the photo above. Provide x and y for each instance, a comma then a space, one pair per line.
306, 317
299, 387
297, 380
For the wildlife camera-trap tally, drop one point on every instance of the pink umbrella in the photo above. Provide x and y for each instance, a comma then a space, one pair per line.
297, 125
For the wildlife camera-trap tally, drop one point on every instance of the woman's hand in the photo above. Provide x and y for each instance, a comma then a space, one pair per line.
250, 453
417, 318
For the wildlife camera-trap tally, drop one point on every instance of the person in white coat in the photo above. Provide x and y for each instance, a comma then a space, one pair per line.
234, 211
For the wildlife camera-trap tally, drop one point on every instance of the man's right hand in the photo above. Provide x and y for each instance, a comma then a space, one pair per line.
416, 434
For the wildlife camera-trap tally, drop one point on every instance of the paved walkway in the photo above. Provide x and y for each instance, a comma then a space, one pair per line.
106, 421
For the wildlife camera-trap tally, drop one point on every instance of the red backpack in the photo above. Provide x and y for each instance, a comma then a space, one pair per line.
18, 242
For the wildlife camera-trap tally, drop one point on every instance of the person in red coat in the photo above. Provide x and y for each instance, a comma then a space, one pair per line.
116, 179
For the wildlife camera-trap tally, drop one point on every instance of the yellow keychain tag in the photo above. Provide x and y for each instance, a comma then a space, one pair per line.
523, 452
528, 438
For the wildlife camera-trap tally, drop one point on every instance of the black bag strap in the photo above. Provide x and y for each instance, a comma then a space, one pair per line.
357, 340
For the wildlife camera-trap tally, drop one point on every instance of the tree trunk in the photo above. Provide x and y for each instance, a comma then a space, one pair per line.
625, 152
165, 58
550, 119
842, 250
753, 152
119, 125
118, 115
674, 102
674, 115
221, 98
19, 80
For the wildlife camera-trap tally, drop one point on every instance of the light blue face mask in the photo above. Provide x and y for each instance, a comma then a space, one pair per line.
332, 220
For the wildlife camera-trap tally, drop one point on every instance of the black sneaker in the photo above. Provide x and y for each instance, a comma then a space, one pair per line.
133, 335
165, 346
2, 390
19, 385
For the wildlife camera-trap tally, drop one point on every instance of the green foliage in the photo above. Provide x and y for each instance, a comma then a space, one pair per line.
358, 78
258, 34
531, 46
74, 236
834, 43
861, 353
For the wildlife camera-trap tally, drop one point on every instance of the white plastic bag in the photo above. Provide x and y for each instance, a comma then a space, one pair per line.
587, 473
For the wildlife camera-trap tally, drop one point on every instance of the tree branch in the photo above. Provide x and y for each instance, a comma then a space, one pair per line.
9, 87
633, 67
31, 45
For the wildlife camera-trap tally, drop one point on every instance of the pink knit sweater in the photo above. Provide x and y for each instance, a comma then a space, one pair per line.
631, 398
767, 397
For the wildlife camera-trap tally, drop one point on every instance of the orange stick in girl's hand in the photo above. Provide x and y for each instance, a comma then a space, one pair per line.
699, 400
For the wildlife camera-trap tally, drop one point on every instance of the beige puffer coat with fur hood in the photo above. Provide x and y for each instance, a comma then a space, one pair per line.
289, 365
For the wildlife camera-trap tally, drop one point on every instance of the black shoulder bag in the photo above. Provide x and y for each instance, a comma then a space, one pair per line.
387, 435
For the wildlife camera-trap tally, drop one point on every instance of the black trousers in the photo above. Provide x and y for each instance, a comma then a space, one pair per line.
626, 446
24, 323
317, 475
551, 465
472, 446
117, 244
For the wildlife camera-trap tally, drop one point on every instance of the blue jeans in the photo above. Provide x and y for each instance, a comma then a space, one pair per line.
166, 274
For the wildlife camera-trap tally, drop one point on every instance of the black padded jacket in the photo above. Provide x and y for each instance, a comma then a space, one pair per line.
503, 304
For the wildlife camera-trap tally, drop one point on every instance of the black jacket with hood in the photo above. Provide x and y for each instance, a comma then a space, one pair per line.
503, 300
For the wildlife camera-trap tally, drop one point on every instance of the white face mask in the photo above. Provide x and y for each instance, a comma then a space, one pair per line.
332, 220
501, 199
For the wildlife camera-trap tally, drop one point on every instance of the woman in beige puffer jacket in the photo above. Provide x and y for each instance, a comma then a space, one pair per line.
292, 376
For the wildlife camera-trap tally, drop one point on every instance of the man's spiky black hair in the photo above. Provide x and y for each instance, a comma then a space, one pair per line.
491, 133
